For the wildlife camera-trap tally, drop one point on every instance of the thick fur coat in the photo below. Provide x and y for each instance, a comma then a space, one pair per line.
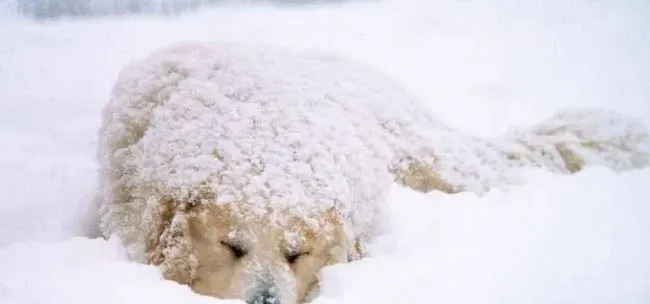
242, 170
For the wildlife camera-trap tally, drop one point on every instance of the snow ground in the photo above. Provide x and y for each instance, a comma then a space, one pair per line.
482, 66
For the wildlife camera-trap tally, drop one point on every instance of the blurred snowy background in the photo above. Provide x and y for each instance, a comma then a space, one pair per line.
481, 65
56, 8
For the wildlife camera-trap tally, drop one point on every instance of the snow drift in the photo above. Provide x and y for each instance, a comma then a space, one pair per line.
579, 238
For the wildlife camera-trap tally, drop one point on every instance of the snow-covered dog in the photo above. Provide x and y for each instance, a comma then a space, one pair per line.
243, 170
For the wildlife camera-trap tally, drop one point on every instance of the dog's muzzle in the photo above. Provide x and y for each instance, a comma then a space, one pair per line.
268, 285
265, 292
266, 296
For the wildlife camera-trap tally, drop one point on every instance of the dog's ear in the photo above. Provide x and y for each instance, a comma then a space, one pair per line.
167, 243
354, 250
160, 220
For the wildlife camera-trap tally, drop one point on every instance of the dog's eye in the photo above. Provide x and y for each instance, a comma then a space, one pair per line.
237, 251
294, 256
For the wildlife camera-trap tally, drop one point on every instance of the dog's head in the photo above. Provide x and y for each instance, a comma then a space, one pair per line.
268, 258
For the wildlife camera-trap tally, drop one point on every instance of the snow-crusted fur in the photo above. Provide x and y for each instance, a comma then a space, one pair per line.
302, 132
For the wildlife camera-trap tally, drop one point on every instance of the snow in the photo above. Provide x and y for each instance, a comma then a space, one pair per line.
483, 66
556, 240
583, 238
80, 270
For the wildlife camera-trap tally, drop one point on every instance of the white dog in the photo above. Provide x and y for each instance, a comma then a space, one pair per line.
243, 170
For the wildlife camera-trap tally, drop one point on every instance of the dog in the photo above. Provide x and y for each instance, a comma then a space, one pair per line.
243, 170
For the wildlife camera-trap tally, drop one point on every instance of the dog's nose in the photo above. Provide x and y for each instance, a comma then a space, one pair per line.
267, 296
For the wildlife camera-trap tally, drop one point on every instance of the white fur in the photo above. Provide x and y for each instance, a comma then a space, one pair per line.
302, 132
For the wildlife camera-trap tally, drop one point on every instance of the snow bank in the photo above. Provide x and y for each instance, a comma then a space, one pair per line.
558, 239
83, 271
